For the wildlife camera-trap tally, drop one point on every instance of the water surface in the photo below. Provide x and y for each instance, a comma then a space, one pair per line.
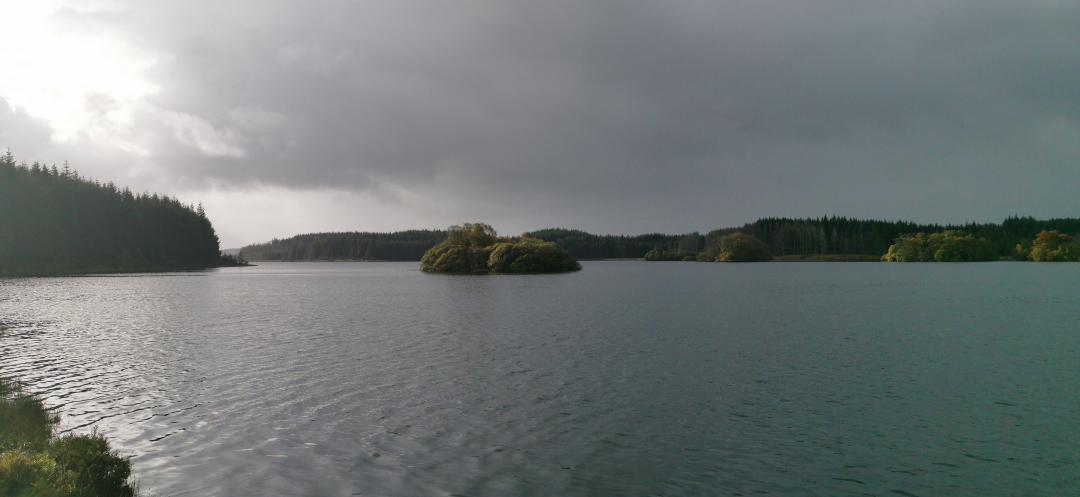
625, 379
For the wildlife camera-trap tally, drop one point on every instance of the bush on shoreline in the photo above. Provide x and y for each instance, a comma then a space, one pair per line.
34, 463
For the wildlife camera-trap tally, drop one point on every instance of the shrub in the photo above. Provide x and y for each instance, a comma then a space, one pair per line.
33, 464
24, 421
32, 474
93, 468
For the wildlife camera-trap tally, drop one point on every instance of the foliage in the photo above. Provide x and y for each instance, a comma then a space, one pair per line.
23, 422
1054, 246
477, 248
32, 474
946, 246
92, 466
740, 247
35, 464
530, 255
52, 221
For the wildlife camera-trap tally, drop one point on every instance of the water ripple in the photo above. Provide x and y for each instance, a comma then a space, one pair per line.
624, 379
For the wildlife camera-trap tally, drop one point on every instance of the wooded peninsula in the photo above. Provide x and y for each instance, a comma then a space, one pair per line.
53, 221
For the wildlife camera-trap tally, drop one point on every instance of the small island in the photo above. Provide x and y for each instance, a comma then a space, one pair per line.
475, 248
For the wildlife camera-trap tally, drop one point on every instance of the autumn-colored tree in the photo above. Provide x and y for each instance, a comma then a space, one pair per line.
1054, 246
945, 246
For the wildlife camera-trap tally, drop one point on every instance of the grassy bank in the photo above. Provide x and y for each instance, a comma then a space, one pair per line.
36, 463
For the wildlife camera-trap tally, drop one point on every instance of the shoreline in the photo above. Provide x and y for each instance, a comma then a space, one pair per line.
102, 271
34, 460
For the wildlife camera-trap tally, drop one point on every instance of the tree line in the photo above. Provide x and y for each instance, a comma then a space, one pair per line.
354, 246
53, 221
822, 236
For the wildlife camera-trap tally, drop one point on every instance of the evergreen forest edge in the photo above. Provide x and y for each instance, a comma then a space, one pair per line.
825, 238
53, 221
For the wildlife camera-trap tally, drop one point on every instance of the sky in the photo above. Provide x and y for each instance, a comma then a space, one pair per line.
613, 116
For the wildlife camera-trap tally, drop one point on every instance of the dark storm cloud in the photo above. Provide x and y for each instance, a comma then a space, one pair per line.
630, 115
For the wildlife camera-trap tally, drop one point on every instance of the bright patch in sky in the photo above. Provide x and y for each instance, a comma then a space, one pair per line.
82, 80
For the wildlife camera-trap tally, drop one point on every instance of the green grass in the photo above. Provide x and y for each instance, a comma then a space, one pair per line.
36, 463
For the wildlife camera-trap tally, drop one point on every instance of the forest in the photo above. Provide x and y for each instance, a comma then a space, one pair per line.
53, 221
823, 236
826, 238
352, 246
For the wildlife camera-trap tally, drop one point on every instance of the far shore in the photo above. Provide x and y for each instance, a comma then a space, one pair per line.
4, 273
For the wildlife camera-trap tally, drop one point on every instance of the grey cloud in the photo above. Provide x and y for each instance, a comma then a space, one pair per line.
627, 115
20, 132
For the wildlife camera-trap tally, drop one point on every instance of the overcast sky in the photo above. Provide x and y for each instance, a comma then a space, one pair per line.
612, 116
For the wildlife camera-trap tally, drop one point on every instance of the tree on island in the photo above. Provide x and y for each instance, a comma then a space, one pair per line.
475, 248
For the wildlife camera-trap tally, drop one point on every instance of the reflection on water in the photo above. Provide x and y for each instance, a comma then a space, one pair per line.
624, 379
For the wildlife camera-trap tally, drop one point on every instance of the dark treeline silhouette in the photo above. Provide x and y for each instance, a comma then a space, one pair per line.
356, 246
824, 236
810, 236
52, 221
584, 245
783, 236
839, 235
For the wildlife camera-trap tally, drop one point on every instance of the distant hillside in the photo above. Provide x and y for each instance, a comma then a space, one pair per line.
809, 236
824, 236
354, 246
584, 245
783, 236
54, 222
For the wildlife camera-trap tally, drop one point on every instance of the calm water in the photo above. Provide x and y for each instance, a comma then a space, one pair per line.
626, 379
